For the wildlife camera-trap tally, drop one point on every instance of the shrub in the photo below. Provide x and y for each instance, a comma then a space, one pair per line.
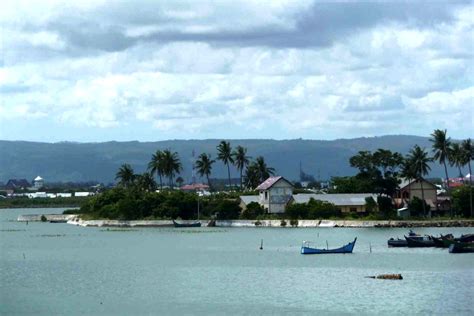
43, 218
283, 223
294, 223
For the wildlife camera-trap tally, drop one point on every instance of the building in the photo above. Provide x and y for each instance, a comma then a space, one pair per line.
274, 194
38, 183
245, 200
345, 202
17, 184
410, 189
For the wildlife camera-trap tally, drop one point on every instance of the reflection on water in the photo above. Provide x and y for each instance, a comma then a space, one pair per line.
63, 269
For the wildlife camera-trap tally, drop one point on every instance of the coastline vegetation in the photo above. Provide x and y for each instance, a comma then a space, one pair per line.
25, 202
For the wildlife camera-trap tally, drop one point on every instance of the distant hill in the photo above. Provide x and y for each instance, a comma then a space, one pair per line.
67, 161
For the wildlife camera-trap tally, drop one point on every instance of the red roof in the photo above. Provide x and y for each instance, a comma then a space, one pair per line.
267, 184
195, 187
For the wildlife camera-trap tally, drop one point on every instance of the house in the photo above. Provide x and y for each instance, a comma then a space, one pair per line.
345, 202
274, 194
245, 200
410, 189
17, 184
38, 183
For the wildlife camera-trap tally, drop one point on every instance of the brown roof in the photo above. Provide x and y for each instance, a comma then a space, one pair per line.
267, 184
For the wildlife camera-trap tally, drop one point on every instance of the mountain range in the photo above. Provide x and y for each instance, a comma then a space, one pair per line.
77, 162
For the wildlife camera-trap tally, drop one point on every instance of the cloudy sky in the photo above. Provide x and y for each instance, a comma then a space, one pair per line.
154, 70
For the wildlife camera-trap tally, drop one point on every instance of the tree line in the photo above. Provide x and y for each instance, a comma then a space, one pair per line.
165, 165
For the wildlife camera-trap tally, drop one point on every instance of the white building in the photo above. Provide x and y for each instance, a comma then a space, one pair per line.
274, 194
38, 183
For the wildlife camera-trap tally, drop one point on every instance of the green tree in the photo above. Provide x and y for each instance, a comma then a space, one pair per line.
440, 147
418, 206
252, 211
171, 165
457, 157
204, 166
146, 182
179, 181
155, 166
421, 161
241, 160
468, 150
125, 175
252, 176
263, 170
224, 153
408, 172
462, 201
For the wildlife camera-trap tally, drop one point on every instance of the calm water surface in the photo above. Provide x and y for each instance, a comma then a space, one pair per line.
50, 269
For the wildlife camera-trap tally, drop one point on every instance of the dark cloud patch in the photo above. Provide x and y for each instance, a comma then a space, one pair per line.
104, 29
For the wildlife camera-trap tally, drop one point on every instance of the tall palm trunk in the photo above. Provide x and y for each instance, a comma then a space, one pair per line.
161, 183
208, 181
447, 188
241, 169
423, 198
470, 187
228, 174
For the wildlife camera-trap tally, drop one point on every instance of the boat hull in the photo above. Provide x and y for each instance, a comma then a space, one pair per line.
419, 243
315, 251
461, 248
183, 225
397, 243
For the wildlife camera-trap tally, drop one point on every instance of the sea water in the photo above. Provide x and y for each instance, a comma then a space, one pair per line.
48, 269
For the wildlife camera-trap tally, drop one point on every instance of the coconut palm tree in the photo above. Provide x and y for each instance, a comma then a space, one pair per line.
456, 157
408, 172
468, 151
179, 181
155, 166
224, 153
252, 176
204, 166
420, 160
125, 175
146, 182
171, 165
440, 148
240, 160
441, 144
263, 170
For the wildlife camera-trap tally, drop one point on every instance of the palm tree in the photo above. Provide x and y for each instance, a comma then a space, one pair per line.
252, 176
408, 172
155, 166
240, 160
204, 166
179, 181
456, 157
468, 151
146, 182
440, 148
225, 155
171, 165
263, 170
420, 160
125, 175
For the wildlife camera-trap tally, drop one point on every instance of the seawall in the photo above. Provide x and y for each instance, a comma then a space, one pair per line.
276, 223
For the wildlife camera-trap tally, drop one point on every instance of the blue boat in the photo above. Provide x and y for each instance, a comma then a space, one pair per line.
307, 250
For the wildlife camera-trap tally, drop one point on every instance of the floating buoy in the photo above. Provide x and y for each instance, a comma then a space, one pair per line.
261, 244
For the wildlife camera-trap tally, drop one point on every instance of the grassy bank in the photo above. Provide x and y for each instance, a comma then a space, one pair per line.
24, 202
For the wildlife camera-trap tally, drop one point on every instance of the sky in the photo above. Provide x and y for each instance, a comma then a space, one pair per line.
92, 71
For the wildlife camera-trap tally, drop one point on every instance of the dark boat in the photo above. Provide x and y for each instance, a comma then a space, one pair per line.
195, 224
58, 221
306, 250
467, 238
417, 242
402, 242
397, 242
461, 247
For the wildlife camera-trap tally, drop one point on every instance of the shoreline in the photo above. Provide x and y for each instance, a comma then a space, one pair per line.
75, 220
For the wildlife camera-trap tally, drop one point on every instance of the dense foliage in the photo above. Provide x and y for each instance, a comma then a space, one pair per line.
461, 203
314, 209
42, 202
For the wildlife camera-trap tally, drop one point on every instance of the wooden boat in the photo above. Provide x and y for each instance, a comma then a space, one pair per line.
402, 242
182, 225
307, 250
397, 242
461, 247
58, 221
425, 241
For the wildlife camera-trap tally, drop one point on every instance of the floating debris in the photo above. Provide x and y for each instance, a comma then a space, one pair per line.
386, 277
